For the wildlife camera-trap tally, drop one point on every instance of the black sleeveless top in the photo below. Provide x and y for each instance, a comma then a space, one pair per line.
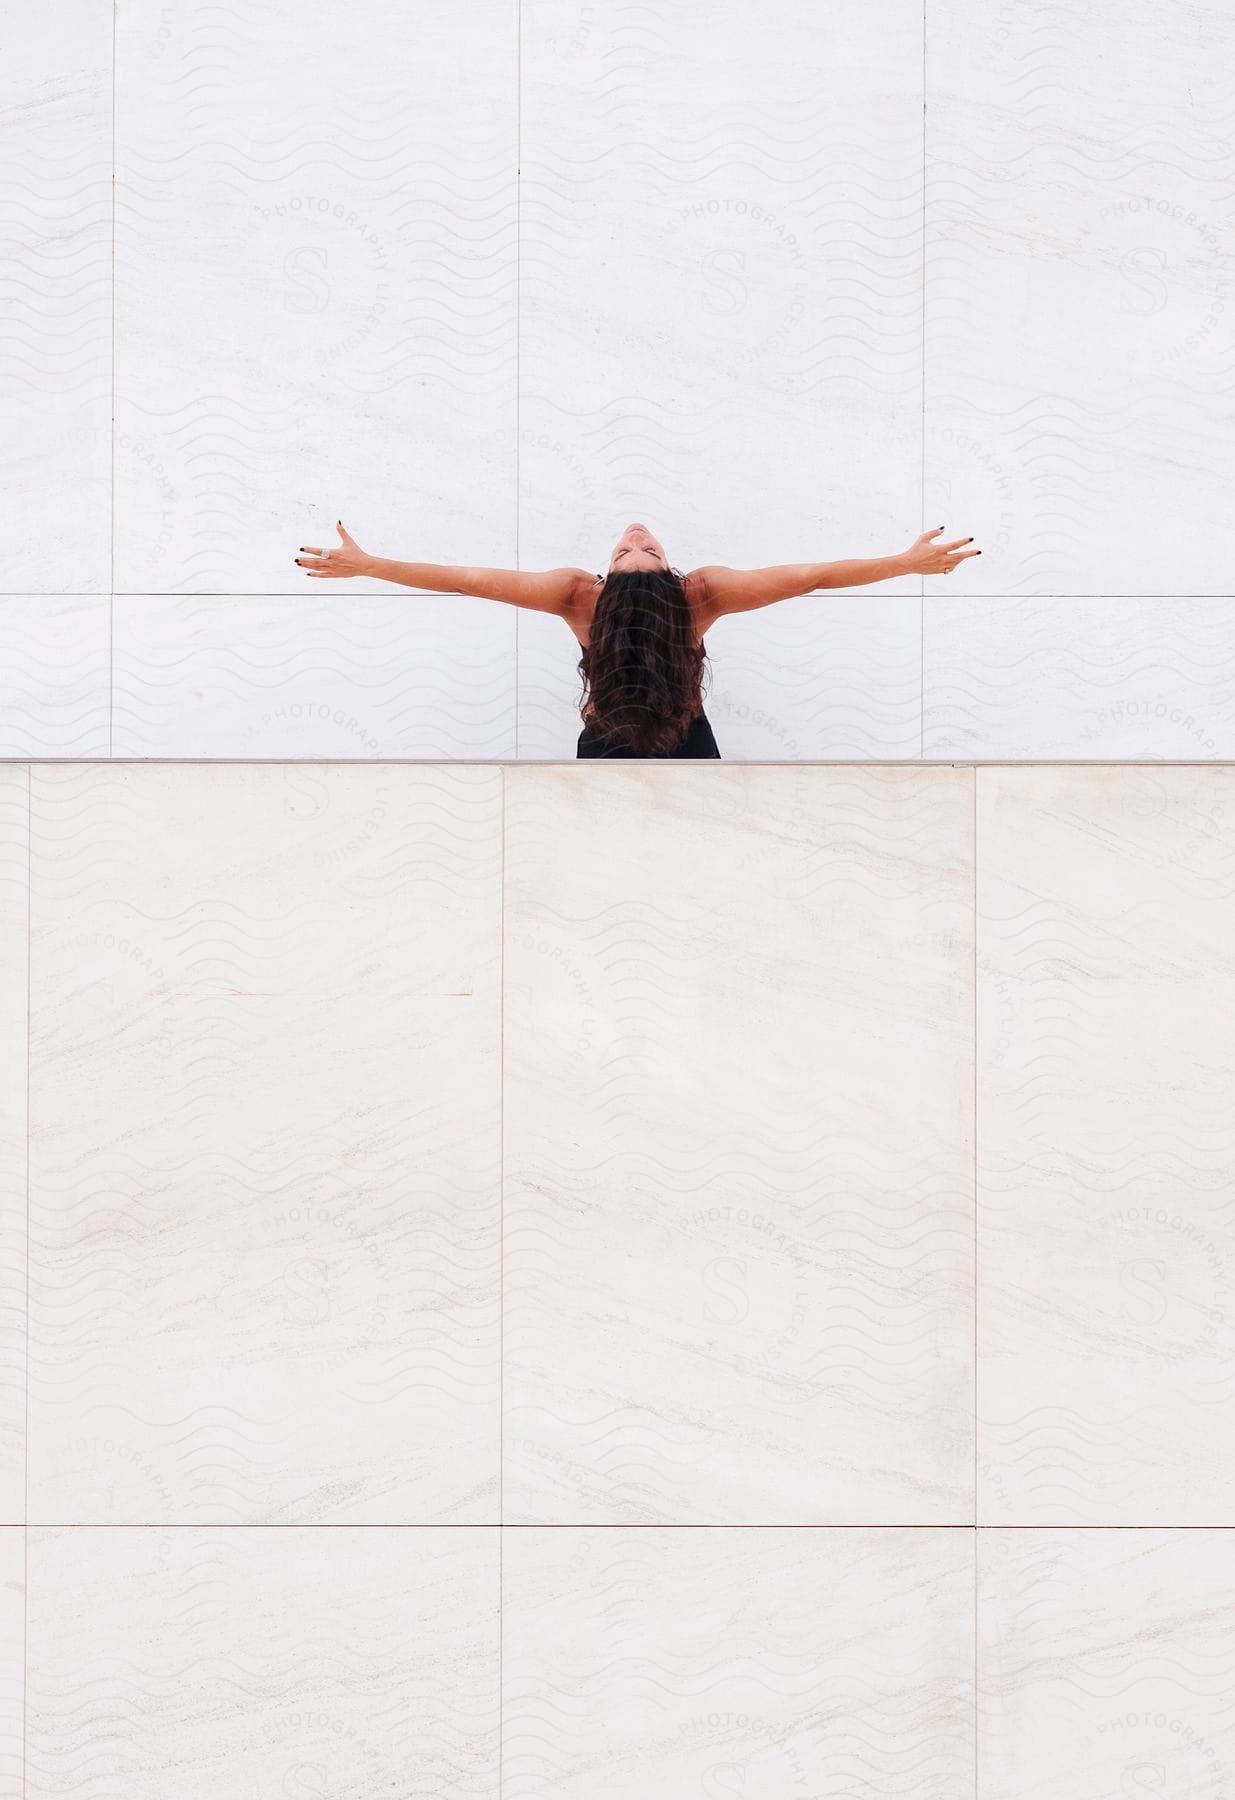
698, 742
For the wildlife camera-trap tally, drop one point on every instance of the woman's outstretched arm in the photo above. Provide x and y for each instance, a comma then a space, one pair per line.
742, 590
543, 590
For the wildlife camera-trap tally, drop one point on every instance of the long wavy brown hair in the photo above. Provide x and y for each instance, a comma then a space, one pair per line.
643, 669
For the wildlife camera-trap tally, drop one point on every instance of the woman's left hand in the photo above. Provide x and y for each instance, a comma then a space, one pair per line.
349, 559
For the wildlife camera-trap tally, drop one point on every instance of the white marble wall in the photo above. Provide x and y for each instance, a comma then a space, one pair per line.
535, 1282
789, 283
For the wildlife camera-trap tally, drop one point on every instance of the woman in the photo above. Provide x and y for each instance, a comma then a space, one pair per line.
640, 627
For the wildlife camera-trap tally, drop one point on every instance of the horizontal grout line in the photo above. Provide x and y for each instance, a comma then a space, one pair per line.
525, 1525
559, 762
295, 593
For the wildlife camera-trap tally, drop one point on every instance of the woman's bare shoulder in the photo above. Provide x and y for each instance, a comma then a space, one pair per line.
702, 601
582, 608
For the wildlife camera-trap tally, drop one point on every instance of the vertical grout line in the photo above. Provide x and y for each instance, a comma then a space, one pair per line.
977, 1540
973, 1116
501, 1333
518, 322
922, 437
111, 527
25, 1430
501, 1307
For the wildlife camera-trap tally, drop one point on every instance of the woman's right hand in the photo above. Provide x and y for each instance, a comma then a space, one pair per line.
925, 557
348, 559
